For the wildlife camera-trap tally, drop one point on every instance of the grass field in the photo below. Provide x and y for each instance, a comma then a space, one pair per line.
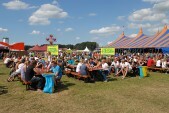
132, 95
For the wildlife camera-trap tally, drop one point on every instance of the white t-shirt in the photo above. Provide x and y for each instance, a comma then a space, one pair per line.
7, 60
105, 66
158, 63
19, 68
115, 64
78, 67
164, 64
122, 65
128, 64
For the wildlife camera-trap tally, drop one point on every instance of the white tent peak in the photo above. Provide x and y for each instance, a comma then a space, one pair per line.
69, 49
86, 49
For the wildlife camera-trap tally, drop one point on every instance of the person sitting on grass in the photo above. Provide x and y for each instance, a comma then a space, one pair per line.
55, 68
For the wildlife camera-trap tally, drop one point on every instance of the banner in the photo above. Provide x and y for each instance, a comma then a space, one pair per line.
53, 49
68, 51
107, 51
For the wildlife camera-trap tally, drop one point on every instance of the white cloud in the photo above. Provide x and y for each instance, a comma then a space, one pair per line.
34, 32
133, 35
136, 26
18, 5
92, 14
121, 17
3, 30
162, 6
106, 30
77, 38
69, 29
46, 12
165, 21
146, 15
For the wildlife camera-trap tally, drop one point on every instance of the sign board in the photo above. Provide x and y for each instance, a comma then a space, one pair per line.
68, 51
107, 51
53, 49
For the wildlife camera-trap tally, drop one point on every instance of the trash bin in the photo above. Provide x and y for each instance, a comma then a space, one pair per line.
143, 71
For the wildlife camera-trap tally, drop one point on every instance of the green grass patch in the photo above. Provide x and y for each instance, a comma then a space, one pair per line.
131, 95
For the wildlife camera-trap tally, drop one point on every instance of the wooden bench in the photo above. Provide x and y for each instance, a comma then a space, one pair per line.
27, 85
157, 69
84, 77
67, 72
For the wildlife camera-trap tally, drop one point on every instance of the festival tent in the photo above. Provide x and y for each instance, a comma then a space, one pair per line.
2, 47
16, 46
38, 48
86, 50
138, 41
120, 42
159, 40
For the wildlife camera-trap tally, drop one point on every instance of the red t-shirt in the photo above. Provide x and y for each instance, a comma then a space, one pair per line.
150, 62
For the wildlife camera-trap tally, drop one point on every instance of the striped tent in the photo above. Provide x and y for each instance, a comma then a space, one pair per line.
120, 42
160, 39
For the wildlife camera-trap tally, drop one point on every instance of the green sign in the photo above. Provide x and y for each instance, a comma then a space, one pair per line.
53, 49
107, 51
68, 51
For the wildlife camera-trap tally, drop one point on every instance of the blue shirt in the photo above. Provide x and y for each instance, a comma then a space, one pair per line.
71, 62
57, 69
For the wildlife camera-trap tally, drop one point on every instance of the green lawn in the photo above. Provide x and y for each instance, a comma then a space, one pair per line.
132, 95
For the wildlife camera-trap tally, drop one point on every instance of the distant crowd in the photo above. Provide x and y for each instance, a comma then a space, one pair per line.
29, 68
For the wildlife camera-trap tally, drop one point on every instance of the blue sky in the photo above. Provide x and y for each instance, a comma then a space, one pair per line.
75, 21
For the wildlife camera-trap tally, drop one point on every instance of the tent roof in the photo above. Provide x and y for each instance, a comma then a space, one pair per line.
86, 50
39, 48
160, 39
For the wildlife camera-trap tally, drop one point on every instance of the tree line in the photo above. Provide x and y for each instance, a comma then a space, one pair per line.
79, 46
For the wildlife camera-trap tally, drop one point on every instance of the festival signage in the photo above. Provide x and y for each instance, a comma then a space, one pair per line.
68, 51
107, 51
53, 49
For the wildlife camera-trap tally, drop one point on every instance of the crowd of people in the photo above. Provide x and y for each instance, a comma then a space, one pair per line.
31, 67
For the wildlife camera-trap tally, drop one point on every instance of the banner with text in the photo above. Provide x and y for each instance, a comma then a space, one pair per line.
107, 51
53, 49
